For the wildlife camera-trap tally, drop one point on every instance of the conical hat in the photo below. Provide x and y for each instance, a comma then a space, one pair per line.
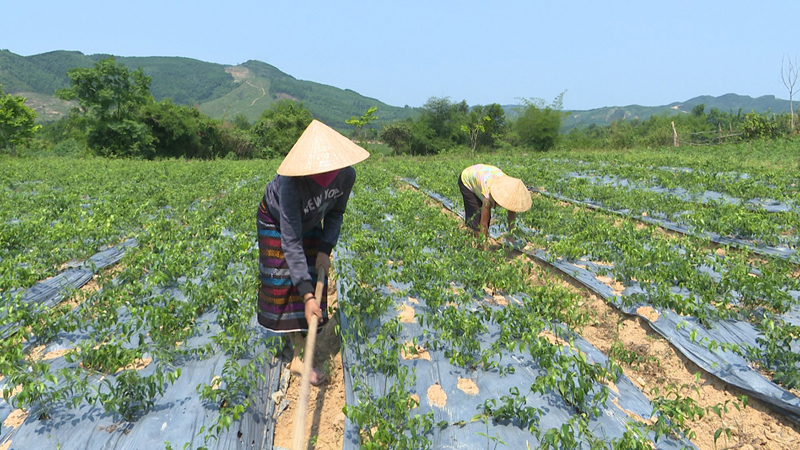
510, 193
320, 149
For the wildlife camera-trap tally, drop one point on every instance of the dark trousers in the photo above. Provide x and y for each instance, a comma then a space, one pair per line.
472, 206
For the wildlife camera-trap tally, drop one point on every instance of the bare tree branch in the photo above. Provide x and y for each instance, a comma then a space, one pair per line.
789, 76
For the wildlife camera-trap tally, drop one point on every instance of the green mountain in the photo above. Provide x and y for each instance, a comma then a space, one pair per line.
728, 103
222, 91
217, 90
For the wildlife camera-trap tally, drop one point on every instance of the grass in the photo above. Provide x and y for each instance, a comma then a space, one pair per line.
380, 149
247, 99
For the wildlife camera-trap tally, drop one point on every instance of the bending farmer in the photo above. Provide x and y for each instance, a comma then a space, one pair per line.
298, 222
483, 188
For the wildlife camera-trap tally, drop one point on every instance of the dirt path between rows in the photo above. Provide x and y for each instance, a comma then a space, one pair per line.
325, 418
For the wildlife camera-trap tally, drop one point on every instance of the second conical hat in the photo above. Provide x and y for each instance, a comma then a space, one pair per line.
510, 193
320, 149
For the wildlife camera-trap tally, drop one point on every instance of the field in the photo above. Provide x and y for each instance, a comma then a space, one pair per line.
648, 299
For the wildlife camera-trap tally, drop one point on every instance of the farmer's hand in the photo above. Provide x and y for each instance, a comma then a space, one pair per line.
323, 263
312, 308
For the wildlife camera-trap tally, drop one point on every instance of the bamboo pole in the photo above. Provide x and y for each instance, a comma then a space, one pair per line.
300, 442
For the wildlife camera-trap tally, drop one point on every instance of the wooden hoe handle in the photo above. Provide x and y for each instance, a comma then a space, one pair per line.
300, 442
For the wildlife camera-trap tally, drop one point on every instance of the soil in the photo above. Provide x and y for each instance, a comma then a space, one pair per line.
406, 313
648, 313
615, 285
325, 417
468, 386
662, 366
37, 354
412, 351
494, 297
436, 396
15, 419
238, 73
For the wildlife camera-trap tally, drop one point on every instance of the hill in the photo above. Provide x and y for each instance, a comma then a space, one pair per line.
729, 103
218, 90
223, 91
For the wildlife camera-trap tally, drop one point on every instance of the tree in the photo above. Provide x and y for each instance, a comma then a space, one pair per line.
476, 124
175, 129
107, 89
409, 136
494, 129
361, 122
17, 122
111, 98
789, 74
241, 122
758, 126
443, 119
397, 136
539, 124
280, 126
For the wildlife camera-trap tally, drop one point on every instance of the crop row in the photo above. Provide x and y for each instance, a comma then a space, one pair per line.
192, 271
676, 272
402, 247
57, 210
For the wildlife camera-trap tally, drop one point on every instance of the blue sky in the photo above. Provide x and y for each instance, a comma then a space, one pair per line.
602, 53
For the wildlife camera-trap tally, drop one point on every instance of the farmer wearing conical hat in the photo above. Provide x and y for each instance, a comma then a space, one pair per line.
484, 187
298, 222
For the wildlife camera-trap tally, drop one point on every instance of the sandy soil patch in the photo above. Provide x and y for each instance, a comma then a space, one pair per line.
615, 285
553, 339
238, 73
407, 313
138, 364
648, 313
436, 396
494, 297
15, 419
412, 351
468, 386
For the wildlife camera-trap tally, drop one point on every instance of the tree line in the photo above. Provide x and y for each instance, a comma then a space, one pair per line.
117, 116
